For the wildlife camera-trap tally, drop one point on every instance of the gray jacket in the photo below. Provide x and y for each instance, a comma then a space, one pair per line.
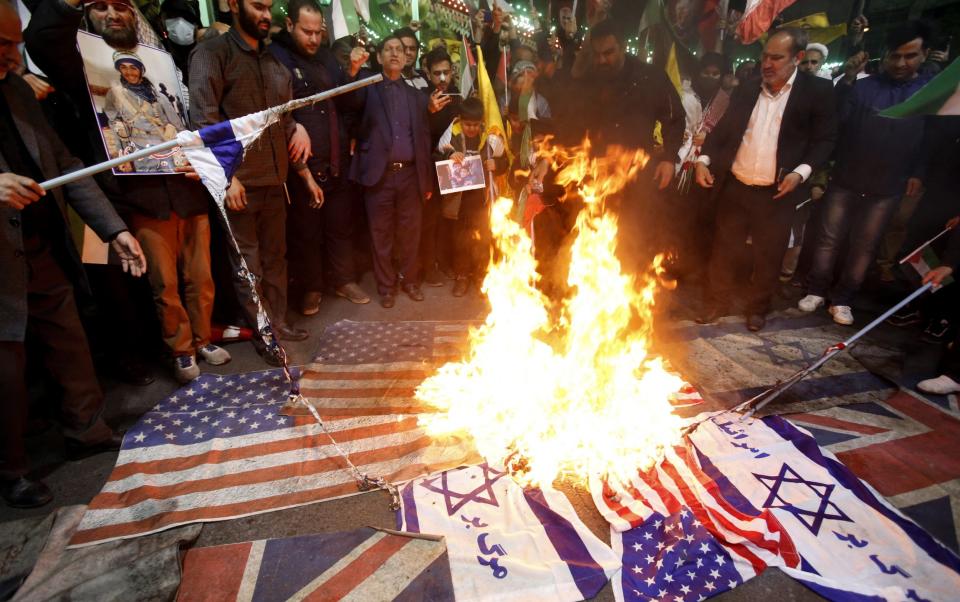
50, 155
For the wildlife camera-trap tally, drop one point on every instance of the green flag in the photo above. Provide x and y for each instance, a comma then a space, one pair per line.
940, 96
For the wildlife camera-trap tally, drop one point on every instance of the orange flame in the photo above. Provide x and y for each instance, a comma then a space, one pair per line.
565, 389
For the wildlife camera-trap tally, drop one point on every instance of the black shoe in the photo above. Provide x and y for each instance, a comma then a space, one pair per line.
937, 331
905, 318
461, 286
133, 372
711, 315
756, 322
289, 333
433, 277
24, 493
413, 291
78, 451
387, 301
271, 358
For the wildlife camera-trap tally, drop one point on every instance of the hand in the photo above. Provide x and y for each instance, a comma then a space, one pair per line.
703, 176
457, 158
699, 138
41, 88
938, 56
18, 191
788, 185
914, 187
953, 223
937, 275
854, 65
437, 101
299, 145
663, 174
189, 171
816, 193
236, 199
490, 165
130, 253
428, 196
415, 25
358, 57
316, 193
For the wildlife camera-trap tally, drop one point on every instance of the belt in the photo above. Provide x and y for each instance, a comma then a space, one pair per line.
396, 166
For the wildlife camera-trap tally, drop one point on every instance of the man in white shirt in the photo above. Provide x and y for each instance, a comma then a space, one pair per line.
775, 132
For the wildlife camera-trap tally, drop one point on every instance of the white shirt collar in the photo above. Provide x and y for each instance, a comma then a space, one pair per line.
786, 87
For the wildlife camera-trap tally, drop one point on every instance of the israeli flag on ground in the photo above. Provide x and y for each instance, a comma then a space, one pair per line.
216, 151
741, 496
506, 542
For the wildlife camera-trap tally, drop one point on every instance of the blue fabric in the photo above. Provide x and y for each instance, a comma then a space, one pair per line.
401, 125
220, 140
876, 155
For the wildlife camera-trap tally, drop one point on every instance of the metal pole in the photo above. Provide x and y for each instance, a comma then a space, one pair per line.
146, 152
924, 246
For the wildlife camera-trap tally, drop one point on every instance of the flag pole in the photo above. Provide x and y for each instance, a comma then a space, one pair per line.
73, 176
924, 245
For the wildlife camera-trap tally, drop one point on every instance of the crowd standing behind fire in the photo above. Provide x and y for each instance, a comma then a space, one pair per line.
349, 184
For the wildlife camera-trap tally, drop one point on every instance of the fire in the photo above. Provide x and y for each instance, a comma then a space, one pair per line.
565, 388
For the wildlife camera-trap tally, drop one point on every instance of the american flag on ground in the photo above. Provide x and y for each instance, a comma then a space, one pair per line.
366, 564
740, 496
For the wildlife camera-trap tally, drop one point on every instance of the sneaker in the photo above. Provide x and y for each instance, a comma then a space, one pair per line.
213, 355
937, 331
185, 368
310, 304
433, 277
841, 314
810, 303
941, 385
905, 318
353, 293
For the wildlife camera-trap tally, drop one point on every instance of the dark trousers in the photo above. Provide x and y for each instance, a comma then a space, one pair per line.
394, 212
325, 233
470, 235
860, 220
260, 230
748, 211
54, 324
431, 225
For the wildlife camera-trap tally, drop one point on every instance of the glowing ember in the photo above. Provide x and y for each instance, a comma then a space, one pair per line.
565, 389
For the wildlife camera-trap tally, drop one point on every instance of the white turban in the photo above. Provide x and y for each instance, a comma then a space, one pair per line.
819, 48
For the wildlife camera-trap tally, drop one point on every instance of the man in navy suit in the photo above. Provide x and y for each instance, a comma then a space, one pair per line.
393, 165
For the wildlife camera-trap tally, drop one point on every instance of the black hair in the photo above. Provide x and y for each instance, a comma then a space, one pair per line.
798, 38
715, 59
607, 27
384, 41
295, 6
437, 55
471, 110
406, 32
909, 31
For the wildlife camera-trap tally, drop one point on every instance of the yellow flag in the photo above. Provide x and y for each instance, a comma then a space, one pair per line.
818, 28
492, 120
673, 68
814, 21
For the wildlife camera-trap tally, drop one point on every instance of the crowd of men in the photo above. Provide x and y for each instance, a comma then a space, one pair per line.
350, 182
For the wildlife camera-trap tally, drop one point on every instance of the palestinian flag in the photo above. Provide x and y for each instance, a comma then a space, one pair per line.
941, 96
924, 260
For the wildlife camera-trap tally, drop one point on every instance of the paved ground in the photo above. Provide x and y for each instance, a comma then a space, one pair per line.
78, 482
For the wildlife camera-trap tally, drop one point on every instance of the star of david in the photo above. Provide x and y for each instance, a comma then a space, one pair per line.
768, 347
811, 519
490, 476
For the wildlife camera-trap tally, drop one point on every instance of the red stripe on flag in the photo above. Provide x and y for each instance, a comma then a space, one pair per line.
365, 375
621, 510
213, 573
355, 573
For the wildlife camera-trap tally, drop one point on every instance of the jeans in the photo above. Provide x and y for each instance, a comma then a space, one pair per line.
861, 217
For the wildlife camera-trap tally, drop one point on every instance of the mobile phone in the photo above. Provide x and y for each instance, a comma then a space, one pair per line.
450, 94
487, 16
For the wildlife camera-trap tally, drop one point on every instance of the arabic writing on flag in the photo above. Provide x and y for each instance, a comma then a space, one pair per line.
506, 542
738, 497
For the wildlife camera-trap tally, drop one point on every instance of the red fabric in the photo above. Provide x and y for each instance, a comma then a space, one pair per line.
758, 20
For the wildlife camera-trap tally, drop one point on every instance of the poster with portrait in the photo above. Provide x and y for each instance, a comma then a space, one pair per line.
457, 177
137, 98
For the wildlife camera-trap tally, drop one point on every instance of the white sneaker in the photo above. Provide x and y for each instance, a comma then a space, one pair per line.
841, 314
810, 303
213, 355
185, 368
941, 385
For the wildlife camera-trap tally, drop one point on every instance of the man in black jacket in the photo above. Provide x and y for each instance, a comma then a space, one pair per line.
772, 136
314, 69
167, 213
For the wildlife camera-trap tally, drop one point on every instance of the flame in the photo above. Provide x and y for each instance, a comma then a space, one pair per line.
565, 388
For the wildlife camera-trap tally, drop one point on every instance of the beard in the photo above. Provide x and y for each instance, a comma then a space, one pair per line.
121, 39
249, 24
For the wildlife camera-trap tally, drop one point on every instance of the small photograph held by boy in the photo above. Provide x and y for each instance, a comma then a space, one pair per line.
466, 144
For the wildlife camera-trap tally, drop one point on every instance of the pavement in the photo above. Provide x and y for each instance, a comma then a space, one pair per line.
78, 482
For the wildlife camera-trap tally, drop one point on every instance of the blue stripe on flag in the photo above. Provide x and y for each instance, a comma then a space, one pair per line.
808, 446
728, 491
219, 138
412, 524
586, 573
